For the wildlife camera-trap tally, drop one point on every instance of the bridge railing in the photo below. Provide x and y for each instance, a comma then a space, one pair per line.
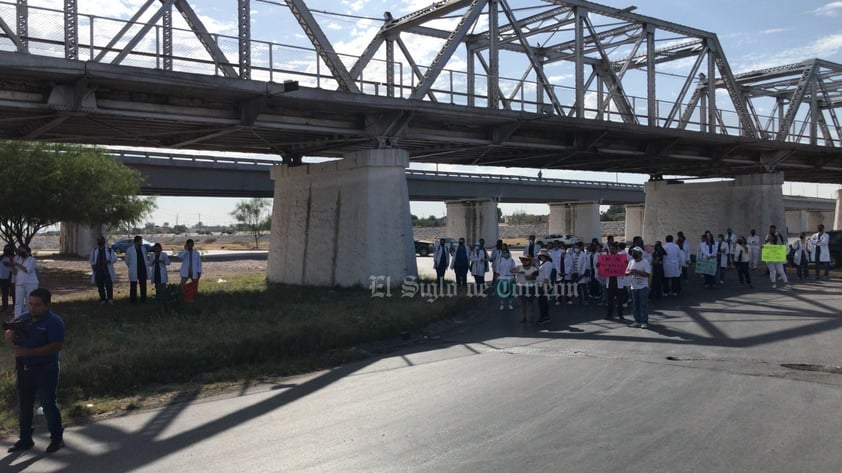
276, 62
523, 179
173, 159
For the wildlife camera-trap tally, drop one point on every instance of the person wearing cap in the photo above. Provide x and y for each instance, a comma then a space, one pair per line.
526, 273
544, 284
639, 271
505, 287
478, 261
459, 264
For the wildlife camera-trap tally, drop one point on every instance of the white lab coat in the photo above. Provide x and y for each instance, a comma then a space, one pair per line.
163, 262
821, 242
802, 249
197, 263
132, 261
478, 260
110, 259
672, 260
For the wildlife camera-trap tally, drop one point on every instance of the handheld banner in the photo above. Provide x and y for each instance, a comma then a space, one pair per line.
612, 265
706, 266
773, 254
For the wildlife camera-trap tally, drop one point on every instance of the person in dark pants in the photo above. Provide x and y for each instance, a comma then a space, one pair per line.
742, 258
460, 264
441, 259
544, 283
102, 263
136, 261
37, 346
615, 290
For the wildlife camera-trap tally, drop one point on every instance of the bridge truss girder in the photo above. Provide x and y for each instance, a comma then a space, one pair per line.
607, 57
803, 99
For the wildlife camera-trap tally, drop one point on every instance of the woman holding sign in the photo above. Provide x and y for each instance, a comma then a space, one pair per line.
708, 251
776, 268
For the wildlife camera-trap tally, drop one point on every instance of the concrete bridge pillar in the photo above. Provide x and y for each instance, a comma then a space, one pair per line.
634, 221
796, 222
837, 218
577, 218
76, 239
473, 219
342, 222
814, 218
750, 201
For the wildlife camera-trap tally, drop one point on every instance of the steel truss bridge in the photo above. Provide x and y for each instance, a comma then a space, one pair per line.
587, 87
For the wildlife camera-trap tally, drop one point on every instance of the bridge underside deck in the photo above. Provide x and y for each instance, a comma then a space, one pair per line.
81, 102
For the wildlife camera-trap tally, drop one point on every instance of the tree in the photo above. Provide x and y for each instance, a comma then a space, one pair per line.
254, 215
49, 183
614, 213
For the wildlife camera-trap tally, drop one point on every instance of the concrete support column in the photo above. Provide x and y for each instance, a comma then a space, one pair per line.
76, 239
577, 218
813, 219
473, 219
750, 201
797, 221
342, 223
634, 221
837, 218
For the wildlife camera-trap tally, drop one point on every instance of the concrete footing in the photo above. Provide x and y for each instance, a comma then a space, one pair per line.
750, 201
472, 219
79, 240
577, 218
837, 218
342, 223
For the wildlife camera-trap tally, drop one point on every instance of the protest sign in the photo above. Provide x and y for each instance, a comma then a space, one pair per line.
706, 266
773, 254
612, 265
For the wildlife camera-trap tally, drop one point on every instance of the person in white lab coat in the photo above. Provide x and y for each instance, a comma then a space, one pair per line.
136, 262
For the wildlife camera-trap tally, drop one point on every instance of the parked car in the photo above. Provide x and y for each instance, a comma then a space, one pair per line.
423, 247
835, 245
565, 238
120, 246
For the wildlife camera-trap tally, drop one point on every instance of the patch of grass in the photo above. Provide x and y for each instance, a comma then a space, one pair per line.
234, 332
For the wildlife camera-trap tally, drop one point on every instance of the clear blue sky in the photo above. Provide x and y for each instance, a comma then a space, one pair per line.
753, 33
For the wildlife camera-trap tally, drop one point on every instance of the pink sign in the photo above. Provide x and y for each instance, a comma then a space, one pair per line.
612, 265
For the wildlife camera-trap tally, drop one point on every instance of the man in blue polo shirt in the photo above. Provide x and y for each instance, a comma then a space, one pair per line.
37, 347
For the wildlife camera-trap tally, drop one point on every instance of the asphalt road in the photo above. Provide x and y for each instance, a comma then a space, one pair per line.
728, 380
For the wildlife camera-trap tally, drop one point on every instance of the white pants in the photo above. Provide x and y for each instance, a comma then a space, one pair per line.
22, 291
755, 257
776, 270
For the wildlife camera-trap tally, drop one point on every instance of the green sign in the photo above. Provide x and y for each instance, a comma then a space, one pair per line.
773, 254
706, 266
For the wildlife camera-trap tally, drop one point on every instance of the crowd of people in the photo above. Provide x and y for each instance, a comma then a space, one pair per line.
552, 272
